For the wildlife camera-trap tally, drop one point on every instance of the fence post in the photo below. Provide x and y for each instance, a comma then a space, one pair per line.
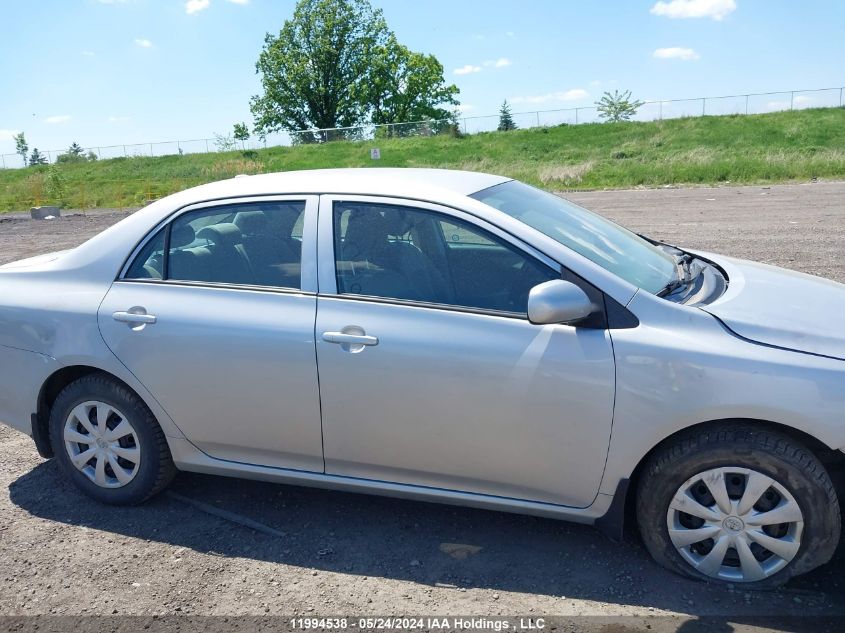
99, 153
151, 149
660, 111
746, 104
791, 99
124, 151
576, 116
49, 158
703, 101
4, 161
840, 97
206, 146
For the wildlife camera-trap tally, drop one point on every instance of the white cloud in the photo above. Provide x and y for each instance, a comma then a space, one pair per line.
143, 43
58, 118
675, 52
464, 108
6, 135
575, 94
195, 6
777, 105
466, 70
478, 36
112, 1
800, 101
509, 33
239, 1
715, 9
502, 62
88, 53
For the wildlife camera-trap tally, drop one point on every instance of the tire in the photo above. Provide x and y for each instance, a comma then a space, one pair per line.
136, 461
738, 458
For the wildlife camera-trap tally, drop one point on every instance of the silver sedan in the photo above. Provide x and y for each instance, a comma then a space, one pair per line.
447, 336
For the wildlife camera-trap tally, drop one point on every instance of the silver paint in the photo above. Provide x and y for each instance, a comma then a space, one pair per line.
450, 405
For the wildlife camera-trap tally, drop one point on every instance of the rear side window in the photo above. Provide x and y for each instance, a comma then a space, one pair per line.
149, 264
257, 244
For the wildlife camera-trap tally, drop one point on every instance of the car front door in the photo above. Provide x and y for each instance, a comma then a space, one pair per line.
430, 372
215, 316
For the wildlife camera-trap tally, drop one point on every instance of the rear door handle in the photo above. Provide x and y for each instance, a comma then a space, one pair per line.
134, 318
349, 339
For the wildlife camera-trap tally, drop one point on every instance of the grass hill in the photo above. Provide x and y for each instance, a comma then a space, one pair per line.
765, 148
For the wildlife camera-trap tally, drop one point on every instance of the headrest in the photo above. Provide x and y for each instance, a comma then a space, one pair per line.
378, 220
251, 222
181, 235
222, 234
397, 221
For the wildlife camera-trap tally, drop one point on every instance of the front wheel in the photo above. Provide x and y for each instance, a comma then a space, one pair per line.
738, 503
108, 442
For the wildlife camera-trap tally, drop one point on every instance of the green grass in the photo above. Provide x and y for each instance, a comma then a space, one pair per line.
766, 148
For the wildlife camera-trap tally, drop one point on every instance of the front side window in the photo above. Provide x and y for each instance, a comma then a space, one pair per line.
612, 247
403, 253
257, 243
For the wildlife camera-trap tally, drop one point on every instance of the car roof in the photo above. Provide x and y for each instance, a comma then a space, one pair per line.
408, 182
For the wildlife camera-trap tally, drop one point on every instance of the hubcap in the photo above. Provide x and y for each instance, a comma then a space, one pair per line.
735, 524
102, 444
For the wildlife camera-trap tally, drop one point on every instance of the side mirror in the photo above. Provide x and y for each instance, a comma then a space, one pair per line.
558, 301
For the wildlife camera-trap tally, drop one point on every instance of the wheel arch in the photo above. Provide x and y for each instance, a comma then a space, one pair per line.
828, 456
50, 390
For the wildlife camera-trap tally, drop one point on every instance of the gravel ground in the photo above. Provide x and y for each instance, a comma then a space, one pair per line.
61, 553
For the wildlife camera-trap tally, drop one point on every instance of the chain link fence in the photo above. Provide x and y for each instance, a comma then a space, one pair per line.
752, 103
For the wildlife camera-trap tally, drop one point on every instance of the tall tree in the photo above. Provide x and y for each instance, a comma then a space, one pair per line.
506, 121
21, 146
314, 74
407, 86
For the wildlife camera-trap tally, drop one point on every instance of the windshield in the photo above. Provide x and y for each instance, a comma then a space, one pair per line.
612, 247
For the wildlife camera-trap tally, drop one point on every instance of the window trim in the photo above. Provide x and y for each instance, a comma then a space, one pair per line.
218, 286
327, 281
308, 263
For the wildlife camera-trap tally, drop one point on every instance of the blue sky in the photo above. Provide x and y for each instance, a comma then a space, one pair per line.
102, 72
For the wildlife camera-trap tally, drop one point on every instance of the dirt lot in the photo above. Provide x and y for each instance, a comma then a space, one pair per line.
342, 553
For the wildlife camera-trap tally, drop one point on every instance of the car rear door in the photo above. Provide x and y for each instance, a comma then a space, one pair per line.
430, 372
215, 316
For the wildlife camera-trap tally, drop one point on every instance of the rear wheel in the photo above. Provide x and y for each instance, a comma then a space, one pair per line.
108, 442
737, 503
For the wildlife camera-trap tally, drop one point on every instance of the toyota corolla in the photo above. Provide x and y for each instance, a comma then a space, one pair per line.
447, 336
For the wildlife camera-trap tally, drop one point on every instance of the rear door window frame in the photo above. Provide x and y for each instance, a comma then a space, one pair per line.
308, 276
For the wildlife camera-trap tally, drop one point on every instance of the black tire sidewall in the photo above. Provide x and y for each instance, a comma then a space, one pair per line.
137, 414
658, 486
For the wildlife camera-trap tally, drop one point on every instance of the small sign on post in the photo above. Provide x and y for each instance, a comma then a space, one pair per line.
375, 153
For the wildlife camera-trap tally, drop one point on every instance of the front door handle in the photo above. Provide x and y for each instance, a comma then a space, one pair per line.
134, 316
349, 339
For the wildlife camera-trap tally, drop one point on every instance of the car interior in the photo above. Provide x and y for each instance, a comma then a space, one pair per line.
420, 255
380, 251
249, 245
